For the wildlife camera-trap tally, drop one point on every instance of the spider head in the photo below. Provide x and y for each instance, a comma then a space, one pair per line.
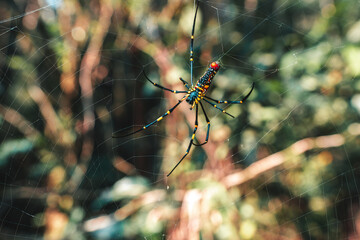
215, 66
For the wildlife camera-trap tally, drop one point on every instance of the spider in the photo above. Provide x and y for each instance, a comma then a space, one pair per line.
194, 96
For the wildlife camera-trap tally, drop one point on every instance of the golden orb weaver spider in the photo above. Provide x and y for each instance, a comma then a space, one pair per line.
194, 95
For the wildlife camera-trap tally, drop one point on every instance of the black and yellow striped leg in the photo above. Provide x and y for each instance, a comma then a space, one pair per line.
233, 102
192, 44
186, 84
161, 87
118, 135
215, 106
191, 141
208, 128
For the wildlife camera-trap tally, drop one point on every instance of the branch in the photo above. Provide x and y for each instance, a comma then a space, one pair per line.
17, 120
47, 111
88, 63
281, 157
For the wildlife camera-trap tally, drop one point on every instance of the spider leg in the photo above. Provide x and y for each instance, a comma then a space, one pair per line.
232, 102
161, 87
215, 106
118, 135
186, 84
208, 128
191, 141
192, 44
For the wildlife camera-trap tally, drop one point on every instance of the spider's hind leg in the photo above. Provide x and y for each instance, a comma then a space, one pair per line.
233, 102
191, 141
215, 106
208, 128
125, 132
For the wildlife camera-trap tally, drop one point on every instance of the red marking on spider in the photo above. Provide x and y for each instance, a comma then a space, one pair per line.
215, 66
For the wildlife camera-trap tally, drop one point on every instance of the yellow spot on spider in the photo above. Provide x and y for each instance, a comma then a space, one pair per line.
208, 122
174, 91
214, 105
191, 59
168, 112
192, 37
223, 111
241, 101
193, 136
159, 119
144, 127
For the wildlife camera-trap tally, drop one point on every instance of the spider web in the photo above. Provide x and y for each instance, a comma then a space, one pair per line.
284, 168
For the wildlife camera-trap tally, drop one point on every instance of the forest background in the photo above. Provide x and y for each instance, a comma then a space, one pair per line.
72, 74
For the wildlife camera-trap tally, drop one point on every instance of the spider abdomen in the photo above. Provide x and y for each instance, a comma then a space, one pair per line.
204, 82
199, 91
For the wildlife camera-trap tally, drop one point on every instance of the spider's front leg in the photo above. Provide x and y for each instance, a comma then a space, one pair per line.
161, 87
186, 84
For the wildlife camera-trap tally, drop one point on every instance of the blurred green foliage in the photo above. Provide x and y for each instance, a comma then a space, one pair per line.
285, 168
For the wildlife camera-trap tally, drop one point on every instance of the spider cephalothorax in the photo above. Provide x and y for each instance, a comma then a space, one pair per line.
194, 96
